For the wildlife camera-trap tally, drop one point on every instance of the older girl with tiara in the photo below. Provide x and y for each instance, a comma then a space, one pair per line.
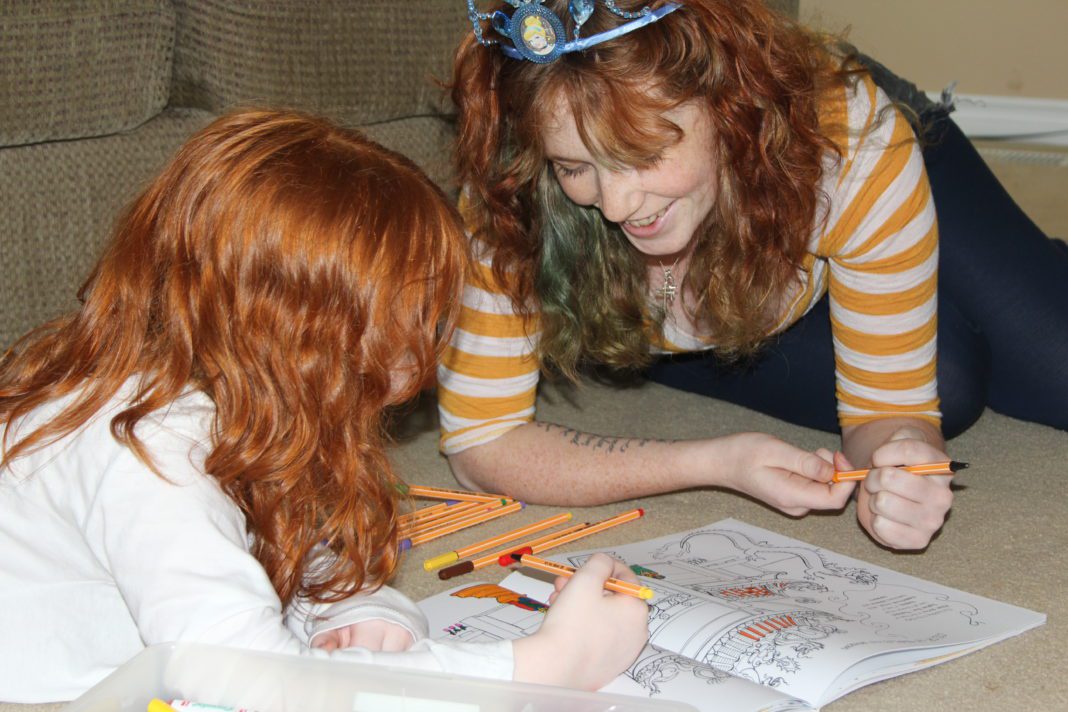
708, 194
198, 453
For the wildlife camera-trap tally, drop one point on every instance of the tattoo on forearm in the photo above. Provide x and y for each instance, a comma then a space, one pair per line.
607, 443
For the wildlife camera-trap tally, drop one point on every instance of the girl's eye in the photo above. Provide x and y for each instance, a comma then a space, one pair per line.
565, 172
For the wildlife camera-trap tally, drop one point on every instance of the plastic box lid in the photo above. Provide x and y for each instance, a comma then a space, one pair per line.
272, 682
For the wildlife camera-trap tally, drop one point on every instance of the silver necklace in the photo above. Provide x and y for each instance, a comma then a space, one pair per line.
668, 287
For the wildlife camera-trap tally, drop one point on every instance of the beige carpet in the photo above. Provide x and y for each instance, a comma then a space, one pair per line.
1005, 539
1036, 176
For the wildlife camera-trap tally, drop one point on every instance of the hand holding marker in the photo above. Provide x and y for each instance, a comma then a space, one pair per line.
933, 468
612, 584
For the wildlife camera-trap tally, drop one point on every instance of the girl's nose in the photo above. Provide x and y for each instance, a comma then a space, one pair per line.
620, 193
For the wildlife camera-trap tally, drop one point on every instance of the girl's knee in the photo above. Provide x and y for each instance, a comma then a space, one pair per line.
960, 414
963, 370
963, 381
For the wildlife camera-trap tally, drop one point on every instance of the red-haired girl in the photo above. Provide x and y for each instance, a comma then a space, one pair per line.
707, 193
197, 453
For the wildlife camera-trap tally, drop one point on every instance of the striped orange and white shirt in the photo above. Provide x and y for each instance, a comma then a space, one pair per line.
874, 247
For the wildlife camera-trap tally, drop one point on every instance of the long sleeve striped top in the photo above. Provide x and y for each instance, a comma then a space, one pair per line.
874, 247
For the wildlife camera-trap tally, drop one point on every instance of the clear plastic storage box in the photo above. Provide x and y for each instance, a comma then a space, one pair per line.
268, 682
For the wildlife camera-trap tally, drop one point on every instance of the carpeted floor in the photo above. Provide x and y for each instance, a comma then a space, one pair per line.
1036, 176
1007, 537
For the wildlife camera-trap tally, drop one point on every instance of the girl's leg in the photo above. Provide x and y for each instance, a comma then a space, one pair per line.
793, 378
1009, 281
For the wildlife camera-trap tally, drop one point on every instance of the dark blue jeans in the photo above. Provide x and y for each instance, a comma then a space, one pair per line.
1002, 313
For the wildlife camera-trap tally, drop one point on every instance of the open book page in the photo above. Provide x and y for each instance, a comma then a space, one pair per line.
482, 612
800, 619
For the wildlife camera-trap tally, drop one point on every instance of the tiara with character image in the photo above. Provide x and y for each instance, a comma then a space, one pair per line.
535, 33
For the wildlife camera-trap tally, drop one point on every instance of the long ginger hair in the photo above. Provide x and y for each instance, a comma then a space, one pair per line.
283, 266
761, 79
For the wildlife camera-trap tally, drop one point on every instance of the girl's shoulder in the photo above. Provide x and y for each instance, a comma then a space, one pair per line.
183, 423
851, 110
90, 470
189, 416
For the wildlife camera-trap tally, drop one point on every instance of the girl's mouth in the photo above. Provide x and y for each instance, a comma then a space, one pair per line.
647, 226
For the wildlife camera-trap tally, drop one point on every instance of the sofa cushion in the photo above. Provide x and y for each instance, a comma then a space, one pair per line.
61, 200
424, 139
77, 68
359, 61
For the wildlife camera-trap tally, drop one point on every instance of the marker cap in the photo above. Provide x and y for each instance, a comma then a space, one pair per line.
512, 557
463, 567
438, 561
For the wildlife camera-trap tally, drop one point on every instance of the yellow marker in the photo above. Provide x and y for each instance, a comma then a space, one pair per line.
157, 705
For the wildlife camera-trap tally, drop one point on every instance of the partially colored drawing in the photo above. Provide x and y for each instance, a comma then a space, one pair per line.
647, 573
502, 595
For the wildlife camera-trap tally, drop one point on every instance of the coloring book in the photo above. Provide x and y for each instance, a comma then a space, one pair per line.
746, 619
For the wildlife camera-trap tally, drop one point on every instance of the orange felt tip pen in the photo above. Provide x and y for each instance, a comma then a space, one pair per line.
452, 556
465, 567
567, 538
612, 584
454, 494
932, 468
454, 526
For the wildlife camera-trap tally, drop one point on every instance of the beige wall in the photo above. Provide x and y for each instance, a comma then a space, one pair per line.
995, 47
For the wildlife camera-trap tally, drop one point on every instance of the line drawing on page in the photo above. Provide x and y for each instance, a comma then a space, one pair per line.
748, 619
762, 610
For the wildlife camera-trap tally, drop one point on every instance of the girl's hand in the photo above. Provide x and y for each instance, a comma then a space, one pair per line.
788, 478
589, 636
374, 634
897, 508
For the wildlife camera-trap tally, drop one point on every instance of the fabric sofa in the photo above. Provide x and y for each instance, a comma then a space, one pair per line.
96, 94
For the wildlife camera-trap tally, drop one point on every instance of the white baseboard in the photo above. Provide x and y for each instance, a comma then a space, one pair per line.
1016, 119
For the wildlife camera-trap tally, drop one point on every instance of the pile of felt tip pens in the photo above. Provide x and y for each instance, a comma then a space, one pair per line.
459, 510
462, 509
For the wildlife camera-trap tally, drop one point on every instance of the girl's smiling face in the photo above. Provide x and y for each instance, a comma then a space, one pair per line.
659, 207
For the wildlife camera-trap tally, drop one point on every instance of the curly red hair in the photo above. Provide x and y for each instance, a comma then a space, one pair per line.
762, 79
287, 268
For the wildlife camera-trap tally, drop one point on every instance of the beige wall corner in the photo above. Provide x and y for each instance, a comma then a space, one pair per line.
991, 47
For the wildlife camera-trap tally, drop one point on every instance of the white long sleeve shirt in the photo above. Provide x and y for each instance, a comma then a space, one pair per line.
99, 557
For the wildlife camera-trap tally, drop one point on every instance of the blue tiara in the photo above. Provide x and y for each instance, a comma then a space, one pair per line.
537, 34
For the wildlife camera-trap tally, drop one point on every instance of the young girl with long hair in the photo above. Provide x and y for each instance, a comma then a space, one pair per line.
708, 194
198, 452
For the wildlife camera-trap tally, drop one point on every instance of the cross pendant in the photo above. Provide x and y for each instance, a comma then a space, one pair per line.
667, 289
